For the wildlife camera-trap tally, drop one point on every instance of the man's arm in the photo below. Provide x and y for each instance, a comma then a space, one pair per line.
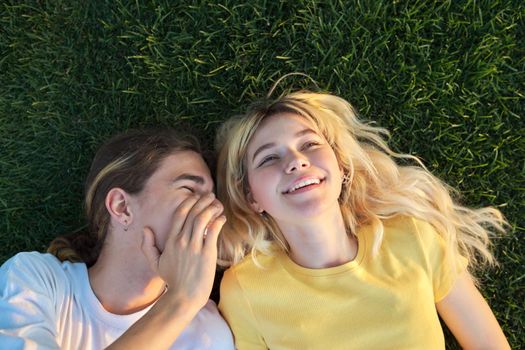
187, 264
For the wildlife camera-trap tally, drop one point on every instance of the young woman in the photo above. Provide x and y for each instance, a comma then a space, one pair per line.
347, 249
140, 276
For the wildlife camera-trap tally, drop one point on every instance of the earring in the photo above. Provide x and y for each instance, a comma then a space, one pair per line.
126, 225
263, 215
346, 179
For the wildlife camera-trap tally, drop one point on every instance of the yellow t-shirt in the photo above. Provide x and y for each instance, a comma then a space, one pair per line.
386, 301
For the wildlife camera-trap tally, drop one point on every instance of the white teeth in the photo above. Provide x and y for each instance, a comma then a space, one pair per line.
303, 184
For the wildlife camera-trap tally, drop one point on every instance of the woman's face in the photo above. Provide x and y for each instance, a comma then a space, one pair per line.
178, 176
293, 172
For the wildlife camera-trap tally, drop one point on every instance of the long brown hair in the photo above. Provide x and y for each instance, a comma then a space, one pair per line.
125, 161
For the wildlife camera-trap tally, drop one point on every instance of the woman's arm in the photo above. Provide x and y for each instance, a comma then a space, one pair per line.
469, 317
237, 311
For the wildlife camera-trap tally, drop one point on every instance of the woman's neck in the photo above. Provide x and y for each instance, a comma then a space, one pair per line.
320, 242
123, 281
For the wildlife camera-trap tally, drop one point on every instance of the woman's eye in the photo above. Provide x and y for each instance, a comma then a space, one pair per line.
310, 144
266, 160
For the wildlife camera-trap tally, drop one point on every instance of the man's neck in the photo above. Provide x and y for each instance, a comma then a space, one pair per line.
123, 281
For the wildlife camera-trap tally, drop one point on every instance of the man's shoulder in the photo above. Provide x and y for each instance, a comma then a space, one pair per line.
32, 260
35, 267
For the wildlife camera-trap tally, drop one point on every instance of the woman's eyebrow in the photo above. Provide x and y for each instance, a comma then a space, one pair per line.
262, 148
272, 144
304, 132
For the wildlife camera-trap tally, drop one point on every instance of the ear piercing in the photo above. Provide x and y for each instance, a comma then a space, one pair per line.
347, 178
126, 225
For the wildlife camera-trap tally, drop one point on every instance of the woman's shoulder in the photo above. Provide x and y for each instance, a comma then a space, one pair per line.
404, 222
255, 263
411, 234
418, 237
409, 226
252, 268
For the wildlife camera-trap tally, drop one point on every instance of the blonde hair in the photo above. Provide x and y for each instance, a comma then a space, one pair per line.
375, 187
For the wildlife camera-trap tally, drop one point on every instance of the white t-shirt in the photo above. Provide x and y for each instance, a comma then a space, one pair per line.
48, 304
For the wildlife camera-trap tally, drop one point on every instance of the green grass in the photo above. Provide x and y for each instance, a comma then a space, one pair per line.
446, 77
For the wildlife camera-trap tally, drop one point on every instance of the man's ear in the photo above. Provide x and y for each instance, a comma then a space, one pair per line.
117, 204
253, 203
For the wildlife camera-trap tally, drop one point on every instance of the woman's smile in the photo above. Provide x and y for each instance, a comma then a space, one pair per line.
293, 172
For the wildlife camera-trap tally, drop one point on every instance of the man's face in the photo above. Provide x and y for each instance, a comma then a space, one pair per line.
178, 176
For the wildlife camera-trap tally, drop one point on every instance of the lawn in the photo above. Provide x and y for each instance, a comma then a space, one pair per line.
445, 77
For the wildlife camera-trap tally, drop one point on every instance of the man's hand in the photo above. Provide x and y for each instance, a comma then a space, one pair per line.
188, 261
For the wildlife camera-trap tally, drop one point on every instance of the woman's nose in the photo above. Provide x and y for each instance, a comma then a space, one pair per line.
297, 161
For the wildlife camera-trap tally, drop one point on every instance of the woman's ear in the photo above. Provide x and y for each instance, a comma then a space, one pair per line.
117, 204
253, 203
